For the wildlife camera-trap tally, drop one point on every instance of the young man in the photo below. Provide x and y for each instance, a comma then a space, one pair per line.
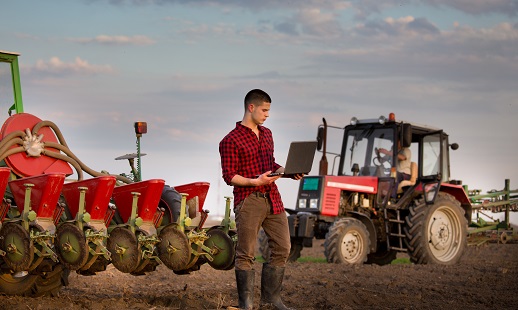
246, 161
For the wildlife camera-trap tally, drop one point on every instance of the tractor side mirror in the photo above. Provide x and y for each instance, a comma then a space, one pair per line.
454, 146
320, 138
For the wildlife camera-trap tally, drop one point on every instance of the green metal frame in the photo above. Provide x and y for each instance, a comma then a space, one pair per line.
12, 58
501, 200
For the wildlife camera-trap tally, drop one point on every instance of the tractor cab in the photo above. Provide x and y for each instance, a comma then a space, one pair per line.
370, 148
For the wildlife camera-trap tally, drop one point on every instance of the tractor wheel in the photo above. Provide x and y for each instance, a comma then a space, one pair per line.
436, 234
347, 242
264, 249
382, 256
170, 201
47, 284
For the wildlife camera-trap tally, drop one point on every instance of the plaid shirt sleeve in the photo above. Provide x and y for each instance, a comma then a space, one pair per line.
229, 159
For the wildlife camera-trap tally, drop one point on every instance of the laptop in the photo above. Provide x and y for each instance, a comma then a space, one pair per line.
300, 158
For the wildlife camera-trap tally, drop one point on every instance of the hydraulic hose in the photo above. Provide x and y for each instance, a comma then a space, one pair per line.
17, 138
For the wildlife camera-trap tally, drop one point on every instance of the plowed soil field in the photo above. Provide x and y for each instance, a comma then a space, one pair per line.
486, 278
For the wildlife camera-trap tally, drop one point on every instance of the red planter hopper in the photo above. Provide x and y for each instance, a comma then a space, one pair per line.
24, 165
199, 189
4, 178
150, 193
44, 194
97, 197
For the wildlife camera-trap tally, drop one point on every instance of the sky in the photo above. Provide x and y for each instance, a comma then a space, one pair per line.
95, 67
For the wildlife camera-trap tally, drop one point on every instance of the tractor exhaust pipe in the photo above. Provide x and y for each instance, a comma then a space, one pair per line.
322, 141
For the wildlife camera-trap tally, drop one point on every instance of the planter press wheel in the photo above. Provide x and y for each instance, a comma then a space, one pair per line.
125, 249
17, 244
222, 247
71, 246
174, 249
35, 285
233, 236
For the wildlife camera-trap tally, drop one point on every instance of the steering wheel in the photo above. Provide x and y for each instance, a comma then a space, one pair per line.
378, 160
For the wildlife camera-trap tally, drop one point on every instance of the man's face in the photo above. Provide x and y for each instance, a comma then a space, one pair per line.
260, 113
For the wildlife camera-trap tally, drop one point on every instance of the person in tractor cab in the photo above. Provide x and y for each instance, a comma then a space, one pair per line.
247, 161
404, 155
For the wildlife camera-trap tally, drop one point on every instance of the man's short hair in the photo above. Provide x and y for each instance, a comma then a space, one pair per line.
256, 97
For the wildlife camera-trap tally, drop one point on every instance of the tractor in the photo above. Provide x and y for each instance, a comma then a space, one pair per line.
365, 215
53, 220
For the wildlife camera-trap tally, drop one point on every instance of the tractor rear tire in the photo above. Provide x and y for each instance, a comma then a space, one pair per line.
48, 284
347, 242
264, 249
171, 202
436, 234
382, 256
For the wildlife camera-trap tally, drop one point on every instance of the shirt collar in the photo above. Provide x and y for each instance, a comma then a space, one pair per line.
243, 127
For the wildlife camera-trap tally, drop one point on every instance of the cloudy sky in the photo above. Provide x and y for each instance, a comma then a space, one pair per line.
94, 67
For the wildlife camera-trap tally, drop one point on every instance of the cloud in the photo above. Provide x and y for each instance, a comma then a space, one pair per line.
478, 7
55, 66
138, 40
405, 26
396, 48
250, 4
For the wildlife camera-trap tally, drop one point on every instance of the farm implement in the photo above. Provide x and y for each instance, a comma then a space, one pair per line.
487, 228
52, 225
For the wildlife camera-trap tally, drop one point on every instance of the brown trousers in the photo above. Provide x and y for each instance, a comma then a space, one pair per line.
252, 213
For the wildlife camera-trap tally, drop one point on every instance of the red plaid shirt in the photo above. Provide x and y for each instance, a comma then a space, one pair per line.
245, 155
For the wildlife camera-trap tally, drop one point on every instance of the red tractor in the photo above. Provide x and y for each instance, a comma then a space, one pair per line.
365, 215
51, 225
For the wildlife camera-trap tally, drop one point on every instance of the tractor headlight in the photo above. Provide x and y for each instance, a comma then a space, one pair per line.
302, 203
313, 203
382, 119
354, 121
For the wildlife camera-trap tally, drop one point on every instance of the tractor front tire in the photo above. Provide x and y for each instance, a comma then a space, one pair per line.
436, 234
347, 242
35, 285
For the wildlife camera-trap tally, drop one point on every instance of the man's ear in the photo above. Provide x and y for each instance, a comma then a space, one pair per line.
250, 107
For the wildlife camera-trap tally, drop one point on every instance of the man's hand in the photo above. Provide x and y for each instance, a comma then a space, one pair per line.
385, 151
264, 179
296, 176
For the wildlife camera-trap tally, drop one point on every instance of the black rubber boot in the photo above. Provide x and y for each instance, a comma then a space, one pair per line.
271, 284
245, 288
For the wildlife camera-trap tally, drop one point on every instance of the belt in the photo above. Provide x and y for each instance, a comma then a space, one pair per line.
261, 195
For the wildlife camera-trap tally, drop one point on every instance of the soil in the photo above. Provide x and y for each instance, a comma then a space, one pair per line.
486, 277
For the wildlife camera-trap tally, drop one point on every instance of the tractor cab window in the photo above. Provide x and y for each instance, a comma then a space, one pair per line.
361, 148
431, 155
6, 87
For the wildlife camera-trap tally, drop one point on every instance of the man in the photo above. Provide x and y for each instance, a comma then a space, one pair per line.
246, 161
403, 162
